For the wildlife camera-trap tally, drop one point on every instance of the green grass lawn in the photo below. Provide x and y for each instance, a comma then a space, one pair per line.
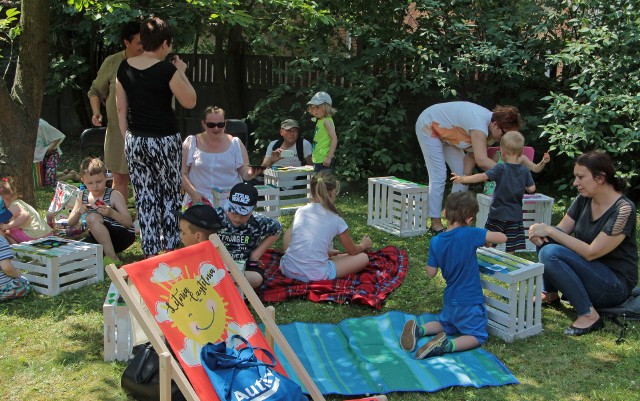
52, 346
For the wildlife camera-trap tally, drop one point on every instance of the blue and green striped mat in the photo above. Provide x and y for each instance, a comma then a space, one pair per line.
363, 355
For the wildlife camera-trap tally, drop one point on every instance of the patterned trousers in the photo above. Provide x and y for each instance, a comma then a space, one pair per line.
154, 168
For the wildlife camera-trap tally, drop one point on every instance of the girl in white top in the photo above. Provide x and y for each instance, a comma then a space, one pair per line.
308, 244
211, 159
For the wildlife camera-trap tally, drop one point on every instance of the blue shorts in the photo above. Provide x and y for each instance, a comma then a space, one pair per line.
331, 270
470, 320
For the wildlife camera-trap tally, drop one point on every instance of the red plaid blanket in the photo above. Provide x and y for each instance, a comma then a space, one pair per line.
386, 270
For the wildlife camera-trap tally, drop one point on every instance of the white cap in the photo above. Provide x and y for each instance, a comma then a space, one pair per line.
320, 98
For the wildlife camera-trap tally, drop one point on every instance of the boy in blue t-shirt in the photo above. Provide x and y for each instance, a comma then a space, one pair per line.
454, 253
512, 181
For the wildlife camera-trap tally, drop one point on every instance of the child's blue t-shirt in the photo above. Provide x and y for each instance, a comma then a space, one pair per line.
454, 253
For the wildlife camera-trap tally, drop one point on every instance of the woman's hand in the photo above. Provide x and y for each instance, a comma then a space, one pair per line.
539, 230
538, 234
180, 65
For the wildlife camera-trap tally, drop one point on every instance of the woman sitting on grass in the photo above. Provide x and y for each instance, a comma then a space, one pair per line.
591, 257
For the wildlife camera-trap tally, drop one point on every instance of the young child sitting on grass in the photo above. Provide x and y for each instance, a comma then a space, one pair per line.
308, 244
26, 224
197, 223
108, 218
454, 253
12, 284
247, 235
512, 180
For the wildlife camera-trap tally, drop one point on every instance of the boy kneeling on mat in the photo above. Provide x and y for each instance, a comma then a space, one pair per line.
464, 313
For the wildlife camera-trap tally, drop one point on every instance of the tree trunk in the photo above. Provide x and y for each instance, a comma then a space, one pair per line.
20, 108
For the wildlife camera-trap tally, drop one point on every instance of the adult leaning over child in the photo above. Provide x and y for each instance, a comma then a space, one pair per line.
591, 256
445, 131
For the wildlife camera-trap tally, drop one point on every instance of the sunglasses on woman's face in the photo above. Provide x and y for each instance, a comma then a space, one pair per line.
213, 125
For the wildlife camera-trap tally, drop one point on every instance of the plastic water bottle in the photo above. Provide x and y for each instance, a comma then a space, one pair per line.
82, 187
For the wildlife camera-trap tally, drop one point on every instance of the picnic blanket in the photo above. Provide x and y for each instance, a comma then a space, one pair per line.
363, 356
385, 272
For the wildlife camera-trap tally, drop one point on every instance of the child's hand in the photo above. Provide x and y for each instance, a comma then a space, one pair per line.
456, 178
546, 158
327, 162
82, 209
333, 252
104, 209
366, 242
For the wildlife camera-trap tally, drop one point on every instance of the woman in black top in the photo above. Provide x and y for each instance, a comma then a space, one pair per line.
145, 86
591, 257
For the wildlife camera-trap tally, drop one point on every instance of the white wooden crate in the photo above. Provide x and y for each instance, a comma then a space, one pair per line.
536, 208
268, 200
398, 206
53, 265
118, 334
510, 284
294, 184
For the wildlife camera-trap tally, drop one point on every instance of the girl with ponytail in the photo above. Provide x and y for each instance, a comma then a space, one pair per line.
308, 244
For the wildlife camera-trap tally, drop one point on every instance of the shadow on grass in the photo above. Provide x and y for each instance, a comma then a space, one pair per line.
80, 301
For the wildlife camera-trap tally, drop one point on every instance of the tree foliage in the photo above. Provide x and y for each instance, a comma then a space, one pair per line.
596, 104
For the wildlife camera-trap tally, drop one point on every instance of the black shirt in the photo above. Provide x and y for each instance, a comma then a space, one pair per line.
149, 99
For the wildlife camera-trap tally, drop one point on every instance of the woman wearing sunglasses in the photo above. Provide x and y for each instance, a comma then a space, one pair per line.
213, 159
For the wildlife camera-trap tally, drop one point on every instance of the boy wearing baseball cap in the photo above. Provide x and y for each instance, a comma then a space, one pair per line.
246, 235
197, 223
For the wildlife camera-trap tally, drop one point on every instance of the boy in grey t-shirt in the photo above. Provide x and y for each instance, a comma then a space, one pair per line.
512, 181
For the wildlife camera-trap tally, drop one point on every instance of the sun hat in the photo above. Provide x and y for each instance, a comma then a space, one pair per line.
289, 123
242, 199
320, 98
203, 216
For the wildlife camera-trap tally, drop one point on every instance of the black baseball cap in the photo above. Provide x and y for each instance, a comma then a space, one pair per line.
203, 216
242, 199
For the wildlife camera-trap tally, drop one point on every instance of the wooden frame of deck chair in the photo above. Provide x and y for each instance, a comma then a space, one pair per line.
169, 367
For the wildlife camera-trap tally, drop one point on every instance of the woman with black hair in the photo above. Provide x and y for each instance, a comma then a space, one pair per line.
591, 257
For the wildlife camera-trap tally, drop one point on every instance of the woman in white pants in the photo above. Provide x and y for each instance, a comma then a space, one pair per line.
446, 130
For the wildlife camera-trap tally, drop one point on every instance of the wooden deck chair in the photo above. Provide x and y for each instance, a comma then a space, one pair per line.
175, 279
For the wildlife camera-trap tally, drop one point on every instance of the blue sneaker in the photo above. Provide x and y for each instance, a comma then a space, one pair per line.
437, 346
